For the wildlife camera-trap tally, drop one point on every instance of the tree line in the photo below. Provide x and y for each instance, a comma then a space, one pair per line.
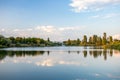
95, 40
91, 41
26, 42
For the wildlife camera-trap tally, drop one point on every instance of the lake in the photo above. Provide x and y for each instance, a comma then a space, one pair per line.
59, 63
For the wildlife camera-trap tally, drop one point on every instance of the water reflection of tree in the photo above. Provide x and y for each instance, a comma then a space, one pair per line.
85, 53
104, 52
73, 52
111, 52
48, 52
78, 52
3, 54
95, 53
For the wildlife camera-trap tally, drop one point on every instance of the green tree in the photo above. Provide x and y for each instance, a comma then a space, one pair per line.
48, 39
38, 42
5, 42
12, 39
69, 42
78, 41
104, 40
90, 40
104, 35
110, 39
94, 41
84, 40
1, 36
99, 41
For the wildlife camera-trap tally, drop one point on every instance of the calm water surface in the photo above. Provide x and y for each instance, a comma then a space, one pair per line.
59, 63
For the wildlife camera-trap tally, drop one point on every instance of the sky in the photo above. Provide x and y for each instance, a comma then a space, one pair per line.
59, 19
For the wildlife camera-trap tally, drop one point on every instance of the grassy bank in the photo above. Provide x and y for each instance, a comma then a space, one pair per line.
114, 45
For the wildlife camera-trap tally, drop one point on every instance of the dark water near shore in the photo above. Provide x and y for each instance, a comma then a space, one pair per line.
59, 63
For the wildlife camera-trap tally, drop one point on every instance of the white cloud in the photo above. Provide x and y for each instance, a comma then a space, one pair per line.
29, 62
69, 28
2, 61
106, 16
117, 36
80, 79
15, 61
96, 16
97, 75
69, 63
110, 15
66, 28
2, 30
113, 76
45, 28
16, 30
48, 63
81, 5
53, 32
30, 29
52, 62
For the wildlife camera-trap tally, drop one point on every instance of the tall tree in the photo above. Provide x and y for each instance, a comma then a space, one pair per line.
94, 39
104, 35
78, 41
90, 40
69, 42
110, 39
12, 39
48, 39
84, 40
104, 40
1, 36
99, 41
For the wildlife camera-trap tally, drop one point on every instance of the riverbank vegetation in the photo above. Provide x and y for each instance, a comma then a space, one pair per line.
95, 40
104, 42
114, 45
26, 42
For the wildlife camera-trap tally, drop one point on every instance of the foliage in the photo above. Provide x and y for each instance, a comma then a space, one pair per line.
25, 42
105, 42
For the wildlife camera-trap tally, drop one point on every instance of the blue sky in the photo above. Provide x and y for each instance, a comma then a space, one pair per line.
59, 19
